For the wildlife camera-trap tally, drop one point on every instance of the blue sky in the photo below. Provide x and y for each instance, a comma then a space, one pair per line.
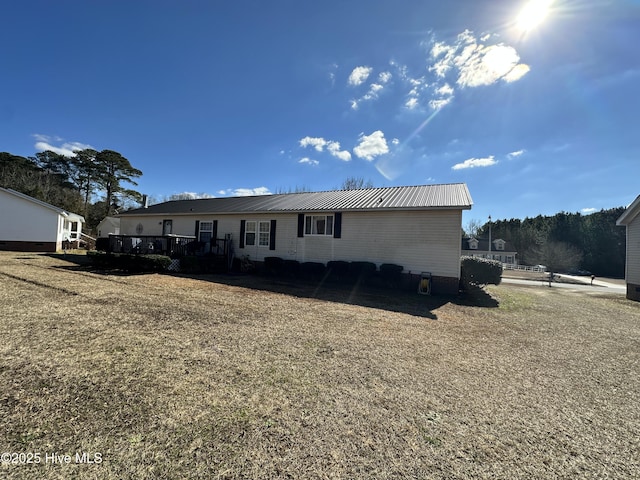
226, 98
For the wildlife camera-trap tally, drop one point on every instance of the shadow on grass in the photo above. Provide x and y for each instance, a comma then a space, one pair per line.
477, 297
402, 300
365, 295
75, 258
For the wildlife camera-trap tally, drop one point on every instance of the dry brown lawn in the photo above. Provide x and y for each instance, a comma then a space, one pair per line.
175, 377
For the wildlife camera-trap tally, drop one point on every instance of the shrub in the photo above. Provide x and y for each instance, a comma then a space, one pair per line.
478, 272
203, 264
338, 270
291, 268
362, 270
273, 265
391, 273
312, 270
99, 259
190, 264
128, 262
102, 244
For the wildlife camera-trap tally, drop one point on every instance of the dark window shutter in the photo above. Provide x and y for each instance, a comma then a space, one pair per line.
272, 236
242, 226
337, 225
214, 236
300, 225
197, 234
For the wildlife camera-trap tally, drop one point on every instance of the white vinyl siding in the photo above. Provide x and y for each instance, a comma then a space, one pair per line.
417, 240
633, 251
24, 221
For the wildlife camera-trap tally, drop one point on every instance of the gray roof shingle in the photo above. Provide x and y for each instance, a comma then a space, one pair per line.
419, 197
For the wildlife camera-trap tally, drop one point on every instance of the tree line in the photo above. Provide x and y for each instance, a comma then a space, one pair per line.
90, 183
564, 241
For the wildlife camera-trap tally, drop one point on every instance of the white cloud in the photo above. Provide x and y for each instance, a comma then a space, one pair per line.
190, 196
359, 75
319, 144
517, 73
68, 149
334, 149
475, 162
487, 65
438, 103
515, 154
385, 77
249, 192
371, 146
445, 90
587, 211
441, 48
316, 142
395, 141
374, 91
411, 103
475, 63
308, 161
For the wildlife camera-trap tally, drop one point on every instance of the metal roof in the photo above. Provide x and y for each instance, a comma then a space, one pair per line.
419, 197
630, 213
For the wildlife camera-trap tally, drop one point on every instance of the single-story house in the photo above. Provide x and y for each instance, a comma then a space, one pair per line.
499, 250
631, 220
417, 227
31, 225
108, 226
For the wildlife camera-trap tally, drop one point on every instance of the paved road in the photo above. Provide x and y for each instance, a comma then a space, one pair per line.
598, 286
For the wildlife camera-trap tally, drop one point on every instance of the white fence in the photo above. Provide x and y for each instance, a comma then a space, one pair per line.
526, 268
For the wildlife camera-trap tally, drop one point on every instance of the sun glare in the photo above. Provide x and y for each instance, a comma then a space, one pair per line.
532, 14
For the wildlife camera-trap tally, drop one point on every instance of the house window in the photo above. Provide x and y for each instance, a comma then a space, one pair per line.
265, 231
318, 225
250, 233
206, 232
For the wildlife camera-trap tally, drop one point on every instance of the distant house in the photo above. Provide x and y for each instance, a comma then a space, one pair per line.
499, 250
30, 225
631, 220
108, 226
417, 227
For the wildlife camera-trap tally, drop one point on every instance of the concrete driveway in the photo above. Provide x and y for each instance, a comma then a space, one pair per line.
581, 284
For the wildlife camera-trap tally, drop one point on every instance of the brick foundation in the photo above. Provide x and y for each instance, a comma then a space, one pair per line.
633, 292
27, 246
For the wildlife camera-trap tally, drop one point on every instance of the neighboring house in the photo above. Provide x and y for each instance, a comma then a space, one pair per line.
30, 225
108, 226
631, 220
498, 250
417, 227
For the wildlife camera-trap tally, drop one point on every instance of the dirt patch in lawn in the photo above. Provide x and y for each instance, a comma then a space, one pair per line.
175, 377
